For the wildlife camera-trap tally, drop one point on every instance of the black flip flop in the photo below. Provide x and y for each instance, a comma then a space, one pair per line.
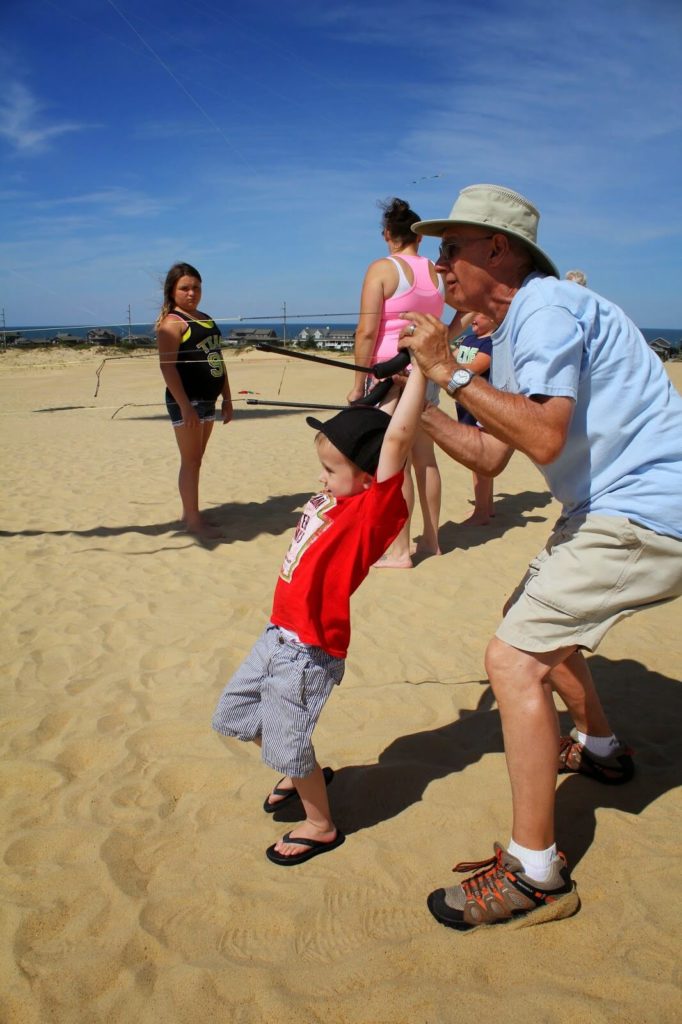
288, 794
315, 847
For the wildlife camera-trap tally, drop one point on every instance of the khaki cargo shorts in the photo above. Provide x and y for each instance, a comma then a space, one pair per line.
593, 571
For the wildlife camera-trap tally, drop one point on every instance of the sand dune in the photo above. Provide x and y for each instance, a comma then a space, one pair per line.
134, 882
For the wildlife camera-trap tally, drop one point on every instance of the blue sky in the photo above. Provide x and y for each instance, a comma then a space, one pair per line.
254, 139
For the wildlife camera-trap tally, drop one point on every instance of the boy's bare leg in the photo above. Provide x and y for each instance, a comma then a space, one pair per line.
318, 824
284, 783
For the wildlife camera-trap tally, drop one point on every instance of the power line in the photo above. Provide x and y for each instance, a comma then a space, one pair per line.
234, 319
216, 127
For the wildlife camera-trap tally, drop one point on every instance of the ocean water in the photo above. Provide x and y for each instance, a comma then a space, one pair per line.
289, 330
671, 334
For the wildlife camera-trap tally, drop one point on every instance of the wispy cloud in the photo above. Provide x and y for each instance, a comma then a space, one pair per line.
121, 202
23, 123
255, 141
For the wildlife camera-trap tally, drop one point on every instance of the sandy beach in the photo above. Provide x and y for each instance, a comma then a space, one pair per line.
134, 881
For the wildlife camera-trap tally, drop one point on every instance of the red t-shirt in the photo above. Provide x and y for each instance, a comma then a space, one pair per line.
333, 548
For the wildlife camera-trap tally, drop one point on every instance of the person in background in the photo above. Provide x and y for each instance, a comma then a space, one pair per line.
475, 354
193, 369
577, 276
402, 280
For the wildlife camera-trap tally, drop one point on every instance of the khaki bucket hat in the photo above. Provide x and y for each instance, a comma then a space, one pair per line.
494, 206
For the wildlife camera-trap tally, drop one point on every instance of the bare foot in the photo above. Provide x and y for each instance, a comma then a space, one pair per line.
304, 831
421, 548
212, 518
477, 519
388, 562
201, 517
204, 530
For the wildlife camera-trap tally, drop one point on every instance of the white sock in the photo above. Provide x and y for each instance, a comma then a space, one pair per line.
536, 863
600, 746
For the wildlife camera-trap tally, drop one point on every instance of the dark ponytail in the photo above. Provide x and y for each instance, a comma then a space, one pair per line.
398, 219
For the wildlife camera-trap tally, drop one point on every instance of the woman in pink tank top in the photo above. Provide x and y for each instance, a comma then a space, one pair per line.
393, 285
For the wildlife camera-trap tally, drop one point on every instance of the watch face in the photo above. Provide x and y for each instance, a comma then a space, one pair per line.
459, 379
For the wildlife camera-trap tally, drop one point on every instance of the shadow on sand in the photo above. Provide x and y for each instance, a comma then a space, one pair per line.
510, 510
364, 795
237, 520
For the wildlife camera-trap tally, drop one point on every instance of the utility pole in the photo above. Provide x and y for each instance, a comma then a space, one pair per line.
128, 323
284, 310
4, 337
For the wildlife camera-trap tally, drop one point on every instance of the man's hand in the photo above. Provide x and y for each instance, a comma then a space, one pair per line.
430, 415
427, 339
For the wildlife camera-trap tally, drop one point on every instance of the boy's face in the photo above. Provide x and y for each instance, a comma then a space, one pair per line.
339, 477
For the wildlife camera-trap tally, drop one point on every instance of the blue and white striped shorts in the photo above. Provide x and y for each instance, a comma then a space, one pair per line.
278, 693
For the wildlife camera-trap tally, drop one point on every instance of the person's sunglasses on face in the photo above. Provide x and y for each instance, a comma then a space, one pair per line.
449, 250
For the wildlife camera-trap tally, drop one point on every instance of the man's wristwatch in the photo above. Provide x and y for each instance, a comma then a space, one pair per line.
459, 379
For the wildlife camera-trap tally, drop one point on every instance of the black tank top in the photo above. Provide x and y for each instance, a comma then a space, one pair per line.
199, 361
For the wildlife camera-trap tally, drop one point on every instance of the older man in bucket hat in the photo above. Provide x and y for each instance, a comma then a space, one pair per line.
575, 387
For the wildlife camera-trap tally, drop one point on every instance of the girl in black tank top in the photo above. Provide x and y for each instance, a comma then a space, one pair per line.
193, 369
199, 359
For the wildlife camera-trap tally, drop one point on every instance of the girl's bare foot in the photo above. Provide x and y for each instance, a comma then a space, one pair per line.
478, 519
389, 562
203, 530
201, 526
425, 549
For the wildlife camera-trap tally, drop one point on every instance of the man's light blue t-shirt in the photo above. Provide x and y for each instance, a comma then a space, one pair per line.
623, 454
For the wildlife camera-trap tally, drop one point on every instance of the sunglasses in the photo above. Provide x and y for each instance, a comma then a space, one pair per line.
448, 250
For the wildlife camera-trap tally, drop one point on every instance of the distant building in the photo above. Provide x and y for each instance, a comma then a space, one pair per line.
340, 339
308, 336
101, 336
66, 339
22, 340
250, 336
140, 340
662, 348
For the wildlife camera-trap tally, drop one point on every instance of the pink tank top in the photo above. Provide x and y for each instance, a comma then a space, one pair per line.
422, 295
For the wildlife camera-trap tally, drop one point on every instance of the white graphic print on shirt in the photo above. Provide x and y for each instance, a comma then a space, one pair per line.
312, 523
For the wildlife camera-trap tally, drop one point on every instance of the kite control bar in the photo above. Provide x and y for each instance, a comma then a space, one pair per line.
381, 370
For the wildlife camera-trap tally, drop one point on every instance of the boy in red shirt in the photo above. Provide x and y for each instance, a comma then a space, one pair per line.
276, 696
